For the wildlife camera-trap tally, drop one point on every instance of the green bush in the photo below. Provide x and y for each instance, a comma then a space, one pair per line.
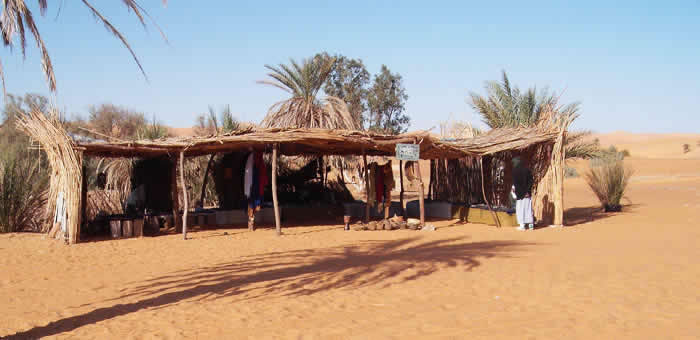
609, 180
23, 186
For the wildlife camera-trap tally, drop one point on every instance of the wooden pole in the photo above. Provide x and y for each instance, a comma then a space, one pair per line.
184, 195
421, 191
483, 191
403, 211
364, 160
83, 198
274, 190
558, 167
432, 180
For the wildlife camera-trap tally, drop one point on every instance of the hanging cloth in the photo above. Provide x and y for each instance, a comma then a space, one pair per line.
248, 176
371, 195
261, 170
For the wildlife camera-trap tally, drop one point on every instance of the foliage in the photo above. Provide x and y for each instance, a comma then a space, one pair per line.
386, 99
115, 121
608, 181
303, 82
16, 18
349, 81
23, 174
153, 130
506, 105
211, 124
23, 184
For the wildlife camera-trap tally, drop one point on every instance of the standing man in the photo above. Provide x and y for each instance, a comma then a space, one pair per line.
522, 190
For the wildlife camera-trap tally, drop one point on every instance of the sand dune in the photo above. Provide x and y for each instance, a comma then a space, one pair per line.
630, 275
655, 146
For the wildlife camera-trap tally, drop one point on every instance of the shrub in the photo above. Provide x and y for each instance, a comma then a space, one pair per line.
23, 187
686, 148
609, 181
570, 172
625, 153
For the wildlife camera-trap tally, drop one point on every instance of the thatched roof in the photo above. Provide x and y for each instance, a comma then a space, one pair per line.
504, 139
320, 141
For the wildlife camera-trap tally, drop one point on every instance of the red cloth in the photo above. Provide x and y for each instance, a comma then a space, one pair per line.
379, 176
262, 173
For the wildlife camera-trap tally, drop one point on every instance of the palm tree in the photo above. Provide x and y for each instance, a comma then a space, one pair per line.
507, 106
16, 17
304, 110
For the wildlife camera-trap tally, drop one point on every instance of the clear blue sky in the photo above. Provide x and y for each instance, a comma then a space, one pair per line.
634, 66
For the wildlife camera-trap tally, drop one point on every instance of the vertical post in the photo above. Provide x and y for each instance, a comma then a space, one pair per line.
483, 191
403, 211
83, 198
387, 203
274, 190
558, 167
421, 191
364, 161
184, 195
174, 194
431, 181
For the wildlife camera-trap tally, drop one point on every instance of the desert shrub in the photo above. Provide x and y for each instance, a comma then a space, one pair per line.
625, 153
570, 172
609, 180
23, 185
686, 148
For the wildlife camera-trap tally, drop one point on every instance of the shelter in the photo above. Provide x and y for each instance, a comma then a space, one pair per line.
66, 155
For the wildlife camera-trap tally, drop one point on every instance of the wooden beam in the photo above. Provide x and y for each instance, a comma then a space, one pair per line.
184, 195
483, 191
274, 190
364, 161
421, 192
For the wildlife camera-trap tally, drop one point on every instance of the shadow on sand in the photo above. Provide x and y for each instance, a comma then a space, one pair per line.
292, 273
581, 215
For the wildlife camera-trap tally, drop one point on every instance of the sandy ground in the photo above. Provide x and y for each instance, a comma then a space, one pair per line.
608, 276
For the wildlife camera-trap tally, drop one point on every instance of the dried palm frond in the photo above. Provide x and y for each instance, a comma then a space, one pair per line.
16, 17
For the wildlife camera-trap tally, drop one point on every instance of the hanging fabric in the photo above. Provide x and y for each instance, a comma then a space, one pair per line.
248, 176
372, 194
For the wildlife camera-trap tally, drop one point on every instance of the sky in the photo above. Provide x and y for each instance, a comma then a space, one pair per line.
633, 66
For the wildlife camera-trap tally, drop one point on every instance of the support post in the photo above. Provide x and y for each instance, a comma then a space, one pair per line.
364, 161
483, 191
83, 198
184, 195
403, 210
274, 190
421, 191
558, 177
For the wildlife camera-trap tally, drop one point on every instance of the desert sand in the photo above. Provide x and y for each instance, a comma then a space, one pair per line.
630, 275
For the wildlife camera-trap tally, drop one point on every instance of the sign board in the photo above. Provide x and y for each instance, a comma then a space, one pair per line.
408, 152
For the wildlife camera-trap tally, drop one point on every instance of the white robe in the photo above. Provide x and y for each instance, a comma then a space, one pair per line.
248, 177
